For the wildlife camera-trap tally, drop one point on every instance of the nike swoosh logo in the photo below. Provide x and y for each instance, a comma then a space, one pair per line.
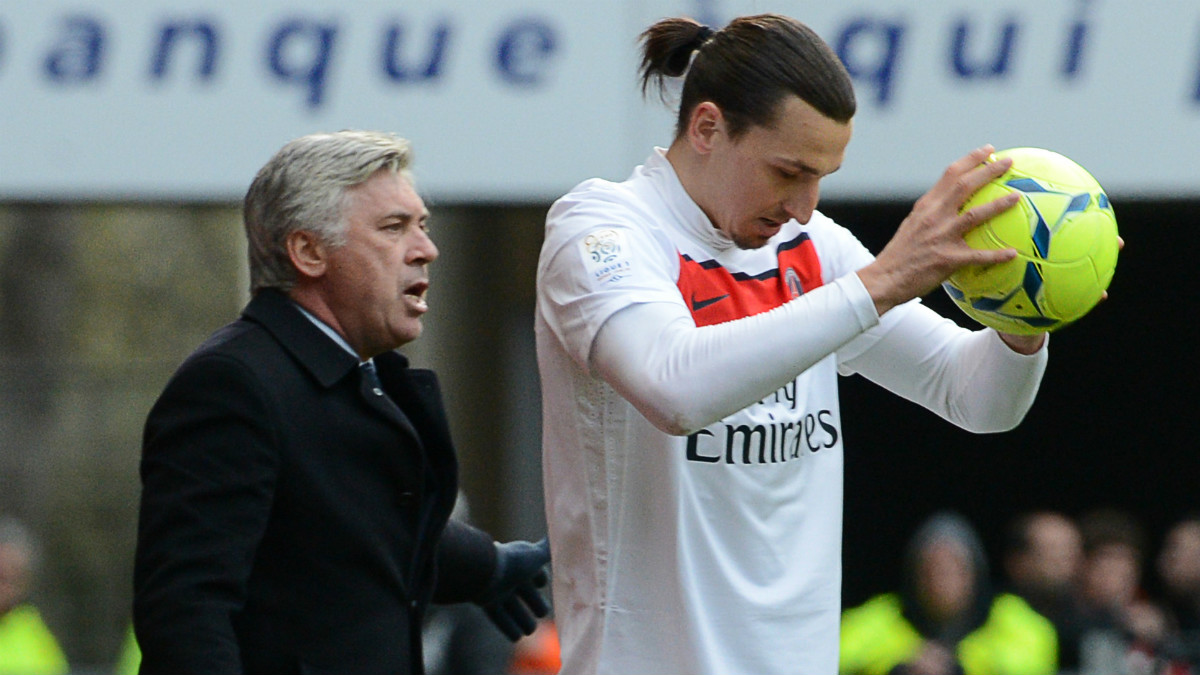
698, 305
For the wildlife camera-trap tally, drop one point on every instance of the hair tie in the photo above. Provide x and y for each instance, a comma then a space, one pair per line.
704, 33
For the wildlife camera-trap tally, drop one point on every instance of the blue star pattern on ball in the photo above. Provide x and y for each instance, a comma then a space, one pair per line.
1041, 235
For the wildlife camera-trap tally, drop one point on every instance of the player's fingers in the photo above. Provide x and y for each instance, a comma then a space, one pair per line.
973, 217
980, 175
975, 256
970, 160
964, 177
978, 161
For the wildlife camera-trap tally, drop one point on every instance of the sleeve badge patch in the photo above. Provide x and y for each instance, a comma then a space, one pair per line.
606, 256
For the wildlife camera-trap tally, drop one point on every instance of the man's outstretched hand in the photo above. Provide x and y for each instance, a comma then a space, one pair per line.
512, 599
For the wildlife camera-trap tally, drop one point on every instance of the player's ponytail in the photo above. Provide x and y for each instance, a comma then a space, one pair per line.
667, 48
746, 68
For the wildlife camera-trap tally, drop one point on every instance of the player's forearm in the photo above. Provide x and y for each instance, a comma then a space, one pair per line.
683, 378
999, 384
970, 378
1024, 344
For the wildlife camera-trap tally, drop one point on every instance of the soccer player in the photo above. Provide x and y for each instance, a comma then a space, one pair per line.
691, 324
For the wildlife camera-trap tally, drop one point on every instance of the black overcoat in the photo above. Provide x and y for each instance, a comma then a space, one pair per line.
292, 518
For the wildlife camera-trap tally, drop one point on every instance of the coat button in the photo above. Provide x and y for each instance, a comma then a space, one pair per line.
377, 391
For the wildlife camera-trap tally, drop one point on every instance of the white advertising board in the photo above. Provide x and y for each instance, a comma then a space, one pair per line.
517, 100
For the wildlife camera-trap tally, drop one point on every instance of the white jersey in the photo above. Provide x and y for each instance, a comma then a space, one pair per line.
714, 548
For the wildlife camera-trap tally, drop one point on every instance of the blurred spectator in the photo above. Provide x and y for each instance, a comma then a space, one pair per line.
1125, 627
946, 619
1179, 571
1043, 559
1178, 567
27, 647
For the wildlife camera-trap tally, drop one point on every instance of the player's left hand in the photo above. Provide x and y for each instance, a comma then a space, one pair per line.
512, 599
1120, 247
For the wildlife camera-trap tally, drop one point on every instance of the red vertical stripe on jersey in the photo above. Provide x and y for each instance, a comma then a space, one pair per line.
716, 295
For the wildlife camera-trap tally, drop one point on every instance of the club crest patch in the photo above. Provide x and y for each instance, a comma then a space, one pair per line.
793, 282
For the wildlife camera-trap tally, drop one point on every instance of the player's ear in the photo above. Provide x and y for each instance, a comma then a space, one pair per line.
705, 125
309, 255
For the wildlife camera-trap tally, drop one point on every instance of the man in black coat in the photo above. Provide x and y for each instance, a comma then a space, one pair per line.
298, 476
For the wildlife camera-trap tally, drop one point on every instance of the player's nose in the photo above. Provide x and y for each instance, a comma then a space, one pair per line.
801, 203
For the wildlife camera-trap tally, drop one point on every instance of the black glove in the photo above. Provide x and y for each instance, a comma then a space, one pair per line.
512, 599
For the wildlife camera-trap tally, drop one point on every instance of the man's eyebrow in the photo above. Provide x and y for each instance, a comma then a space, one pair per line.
803, 167
407, 216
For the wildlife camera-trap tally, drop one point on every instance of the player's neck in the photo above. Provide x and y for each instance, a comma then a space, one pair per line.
689, 167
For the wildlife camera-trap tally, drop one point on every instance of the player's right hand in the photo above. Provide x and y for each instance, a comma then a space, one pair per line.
929, 246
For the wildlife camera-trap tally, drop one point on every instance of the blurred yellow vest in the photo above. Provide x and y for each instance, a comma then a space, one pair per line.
26, 645
1014, 640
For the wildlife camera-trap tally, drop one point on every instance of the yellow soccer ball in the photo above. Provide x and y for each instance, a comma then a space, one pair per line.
1065, 234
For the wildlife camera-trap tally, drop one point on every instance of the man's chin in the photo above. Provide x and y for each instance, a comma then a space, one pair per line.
410, 333
750, 243
400, 335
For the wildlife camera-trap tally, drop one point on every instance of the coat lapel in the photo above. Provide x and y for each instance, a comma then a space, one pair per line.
379, 399
324, 359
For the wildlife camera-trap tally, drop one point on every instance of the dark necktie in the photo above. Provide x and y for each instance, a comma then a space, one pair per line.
371, 378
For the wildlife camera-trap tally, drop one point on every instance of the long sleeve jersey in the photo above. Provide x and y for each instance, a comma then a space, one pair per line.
691, 427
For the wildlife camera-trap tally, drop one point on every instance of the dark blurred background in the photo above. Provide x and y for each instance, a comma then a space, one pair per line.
1115, 423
